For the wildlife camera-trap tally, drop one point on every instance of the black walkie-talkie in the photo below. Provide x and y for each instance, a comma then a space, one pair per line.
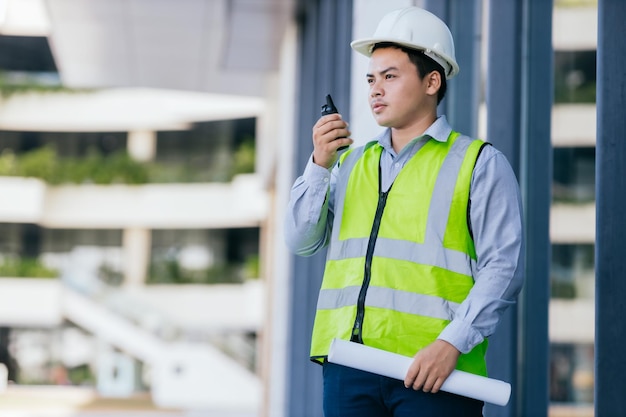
329, 108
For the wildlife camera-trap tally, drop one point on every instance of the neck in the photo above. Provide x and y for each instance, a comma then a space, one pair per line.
401, 136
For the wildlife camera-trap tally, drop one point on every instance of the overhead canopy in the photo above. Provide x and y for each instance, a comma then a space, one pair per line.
217, 46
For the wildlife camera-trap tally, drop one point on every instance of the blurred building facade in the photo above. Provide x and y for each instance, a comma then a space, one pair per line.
136, 196
572, 220
143, 178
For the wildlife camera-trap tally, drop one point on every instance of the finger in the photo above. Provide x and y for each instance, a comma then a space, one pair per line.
327, 119
429, 384
437, 385
332, 126
339, 134
341, 142
420, 379
410, 376
330, 136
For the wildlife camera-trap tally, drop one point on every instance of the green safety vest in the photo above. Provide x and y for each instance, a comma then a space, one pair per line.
399, 262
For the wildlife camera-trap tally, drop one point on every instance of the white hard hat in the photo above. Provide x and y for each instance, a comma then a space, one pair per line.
414, 28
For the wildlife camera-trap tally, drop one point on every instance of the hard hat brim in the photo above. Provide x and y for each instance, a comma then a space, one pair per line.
364, 47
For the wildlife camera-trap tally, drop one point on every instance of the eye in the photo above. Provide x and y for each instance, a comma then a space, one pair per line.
389, 76
370, 80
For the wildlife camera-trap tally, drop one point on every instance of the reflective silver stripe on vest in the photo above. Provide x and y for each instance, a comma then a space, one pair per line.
387, 298
441, 200
431, 252
330, 299
423, 254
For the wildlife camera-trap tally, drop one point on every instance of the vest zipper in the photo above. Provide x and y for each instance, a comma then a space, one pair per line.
357, 335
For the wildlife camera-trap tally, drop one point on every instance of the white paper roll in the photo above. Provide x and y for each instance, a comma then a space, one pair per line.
395, 366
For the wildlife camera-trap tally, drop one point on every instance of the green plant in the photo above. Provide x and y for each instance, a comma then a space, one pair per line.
224, 274
44, 163
169, 271
244, 157
25, 268
98, 169
81, 375
117, 168
39, 163
252, 267
8, 163
10, 85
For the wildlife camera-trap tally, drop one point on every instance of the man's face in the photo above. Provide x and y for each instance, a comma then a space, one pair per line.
398, 97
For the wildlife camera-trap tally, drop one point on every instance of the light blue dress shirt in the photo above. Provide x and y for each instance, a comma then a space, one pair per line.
496, 221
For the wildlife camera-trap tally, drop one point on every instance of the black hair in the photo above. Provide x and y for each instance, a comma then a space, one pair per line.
424, 64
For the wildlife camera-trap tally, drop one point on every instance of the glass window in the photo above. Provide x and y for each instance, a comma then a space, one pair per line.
11, 239
572, 273
575, 76
210, 151
574, 175
26, 53
204, 256
571, 373
82, 255
64, 240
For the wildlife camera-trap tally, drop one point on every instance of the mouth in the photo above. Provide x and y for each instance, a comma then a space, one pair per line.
377, 107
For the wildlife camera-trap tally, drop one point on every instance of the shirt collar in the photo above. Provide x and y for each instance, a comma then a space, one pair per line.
440, 131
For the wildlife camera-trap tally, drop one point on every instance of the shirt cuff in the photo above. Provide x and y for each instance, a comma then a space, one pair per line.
461, 335
316, 175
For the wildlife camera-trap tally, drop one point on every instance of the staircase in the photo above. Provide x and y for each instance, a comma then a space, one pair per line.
184, 374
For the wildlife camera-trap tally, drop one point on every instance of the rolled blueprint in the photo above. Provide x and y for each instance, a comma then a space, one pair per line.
395, 366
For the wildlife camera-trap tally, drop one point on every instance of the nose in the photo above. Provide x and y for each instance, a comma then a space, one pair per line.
375, 89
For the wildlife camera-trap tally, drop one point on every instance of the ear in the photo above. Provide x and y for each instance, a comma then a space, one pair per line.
433, 83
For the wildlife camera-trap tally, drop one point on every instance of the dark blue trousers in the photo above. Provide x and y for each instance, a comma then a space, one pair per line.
349, 392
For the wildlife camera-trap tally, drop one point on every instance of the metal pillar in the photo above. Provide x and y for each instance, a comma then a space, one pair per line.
519, 100
324, 67
610, 334
463, 17
536, 182
503, 130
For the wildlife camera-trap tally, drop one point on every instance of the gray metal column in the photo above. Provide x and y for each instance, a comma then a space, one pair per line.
519, 100
324, 67
463, 96
536, 182
503, 130
610, 366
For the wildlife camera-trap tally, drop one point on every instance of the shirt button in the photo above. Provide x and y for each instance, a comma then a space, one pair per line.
397, 164
325, 179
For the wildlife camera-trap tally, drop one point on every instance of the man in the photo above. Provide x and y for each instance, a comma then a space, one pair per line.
423, 227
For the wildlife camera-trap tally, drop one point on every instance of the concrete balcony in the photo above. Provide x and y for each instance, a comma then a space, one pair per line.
240, 203
573, 223
575, 28
30, 302
572, 321
574, 125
